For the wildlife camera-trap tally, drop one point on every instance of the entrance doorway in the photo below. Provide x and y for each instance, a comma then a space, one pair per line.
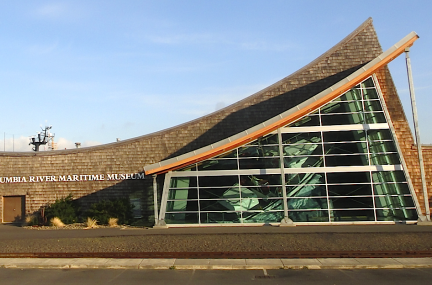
13, 208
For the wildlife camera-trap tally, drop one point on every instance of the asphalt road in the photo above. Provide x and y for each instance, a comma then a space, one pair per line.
216, 277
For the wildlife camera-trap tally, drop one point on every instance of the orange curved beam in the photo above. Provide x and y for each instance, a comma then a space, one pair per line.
287, 120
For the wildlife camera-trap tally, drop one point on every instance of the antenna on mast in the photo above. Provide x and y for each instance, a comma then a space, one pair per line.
43, 138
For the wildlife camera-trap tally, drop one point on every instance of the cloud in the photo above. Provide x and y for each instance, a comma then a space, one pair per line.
51, 10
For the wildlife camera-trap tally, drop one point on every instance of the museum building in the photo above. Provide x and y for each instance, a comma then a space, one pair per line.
329, 144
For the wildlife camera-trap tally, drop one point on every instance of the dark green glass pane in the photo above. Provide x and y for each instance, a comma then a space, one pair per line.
382, 146
372, 106
299, 138
308, 216
183, 182
188, 168
182, 194
385, 159
394, 202
218, 164
216, 181
261, 204
352, 215
304, 178
306, 191
220, 193
219, 217
258, 151
396, 215
391, 189
353, 94
220, 205
263, 217
344, 136
260, 180
350, 190
259, 163
303, 161
342, 107
181, 218
267, 140
367, 83
182, 206
369, 94
307, 203
312, 120
231, 154
388, 176
302, 149
379, 135
348, 177
351, 202
375, 118
342, 119
345, 148
347, 160
261, 191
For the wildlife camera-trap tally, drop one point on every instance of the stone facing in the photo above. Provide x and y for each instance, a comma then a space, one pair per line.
130, 156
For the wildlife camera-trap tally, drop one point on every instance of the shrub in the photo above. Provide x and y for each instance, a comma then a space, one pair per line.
32, 220
91, 223
120, 208
112, 222
66, 209
56, 222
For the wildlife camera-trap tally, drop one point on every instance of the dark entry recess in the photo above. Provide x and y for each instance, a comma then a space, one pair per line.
13, 209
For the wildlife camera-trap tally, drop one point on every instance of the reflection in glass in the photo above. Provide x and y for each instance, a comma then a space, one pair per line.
347, 160
258, 151
372, 106
259, 163
388, 176
218, 164
352, 215
391, 189
394, 201
342, 107
304, 178
385, 159
302, 149
311, 120
348, 177
309, 216
344, 136
307, 203
350, 202
345, 148
303, 161
350, 190
342, 119
299, 138
396, 214
306, 191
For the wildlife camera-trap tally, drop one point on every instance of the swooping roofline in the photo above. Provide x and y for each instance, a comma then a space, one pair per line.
286, 117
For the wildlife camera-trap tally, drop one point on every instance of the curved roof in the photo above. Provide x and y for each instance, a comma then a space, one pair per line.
287, 117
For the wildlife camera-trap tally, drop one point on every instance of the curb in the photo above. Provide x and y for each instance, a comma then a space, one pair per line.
216, 264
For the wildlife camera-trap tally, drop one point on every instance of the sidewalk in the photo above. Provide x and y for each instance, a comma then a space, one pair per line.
224, 264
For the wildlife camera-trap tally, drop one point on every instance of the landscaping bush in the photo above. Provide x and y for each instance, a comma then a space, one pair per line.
120, 208
66, 209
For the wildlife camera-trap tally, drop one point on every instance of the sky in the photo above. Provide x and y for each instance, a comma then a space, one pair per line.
100, 70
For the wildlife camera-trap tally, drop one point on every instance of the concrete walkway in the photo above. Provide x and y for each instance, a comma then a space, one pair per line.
225, 264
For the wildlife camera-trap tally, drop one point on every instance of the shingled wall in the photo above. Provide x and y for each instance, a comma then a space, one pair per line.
130, 156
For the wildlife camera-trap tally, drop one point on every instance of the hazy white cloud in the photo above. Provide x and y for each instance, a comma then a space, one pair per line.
53, 10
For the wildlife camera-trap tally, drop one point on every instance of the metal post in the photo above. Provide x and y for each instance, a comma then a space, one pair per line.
155, 202
417, 134
286, 221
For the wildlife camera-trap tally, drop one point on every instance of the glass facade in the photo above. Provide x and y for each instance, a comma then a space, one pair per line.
337, 164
